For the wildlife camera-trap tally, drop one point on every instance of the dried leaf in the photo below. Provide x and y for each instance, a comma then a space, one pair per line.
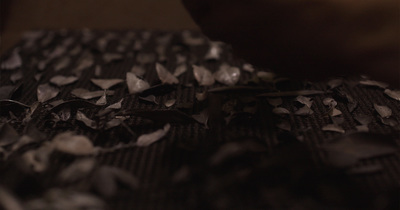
138, 71
334, 128
84, 62
13, 62
86, 94
135, 85
227, 75
389, 121
214, 52
60, 80
330, 102
170, 102
46, 92
395, 94
102, 100
77, 170
70, 143
88, 122
305, 110
383, 111
248, 67
165, 76
106, 83
305, 100
38, 76
280, 111
374, 83
112, 123
202, 118
117, 105
180, 70
148, 139
202, 96
335, 112
203, 76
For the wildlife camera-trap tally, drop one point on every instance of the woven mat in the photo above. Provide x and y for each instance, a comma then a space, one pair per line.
249, 158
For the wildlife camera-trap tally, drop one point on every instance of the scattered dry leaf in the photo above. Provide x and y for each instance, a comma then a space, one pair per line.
106, 84
135, 85
70, 143
165, 76
395, 94
383, 111
334, 128
227, 75
203, 76
374, 83
46, 92
148, 139
60, 80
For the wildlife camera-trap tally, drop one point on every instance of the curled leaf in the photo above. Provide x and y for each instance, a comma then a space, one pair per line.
135, 85
86, 94
46, 92
102, 100
147, 139
305, 110
203, 76
305, 100
60, 80
227, 75
165, 76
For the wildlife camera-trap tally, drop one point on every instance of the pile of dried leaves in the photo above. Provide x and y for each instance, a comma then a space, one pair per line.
68, 98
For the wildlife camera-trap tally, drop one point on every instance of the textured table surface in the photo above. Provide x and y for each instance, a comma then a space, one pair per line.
255, 145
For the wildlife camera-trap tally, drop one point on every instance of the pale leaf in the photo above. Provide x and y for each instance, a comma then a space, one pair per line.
60, 80
227, 75
383, 111
135, 85
106, 83
203, 76
46, 92
165, 76
70, 143
147, 139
